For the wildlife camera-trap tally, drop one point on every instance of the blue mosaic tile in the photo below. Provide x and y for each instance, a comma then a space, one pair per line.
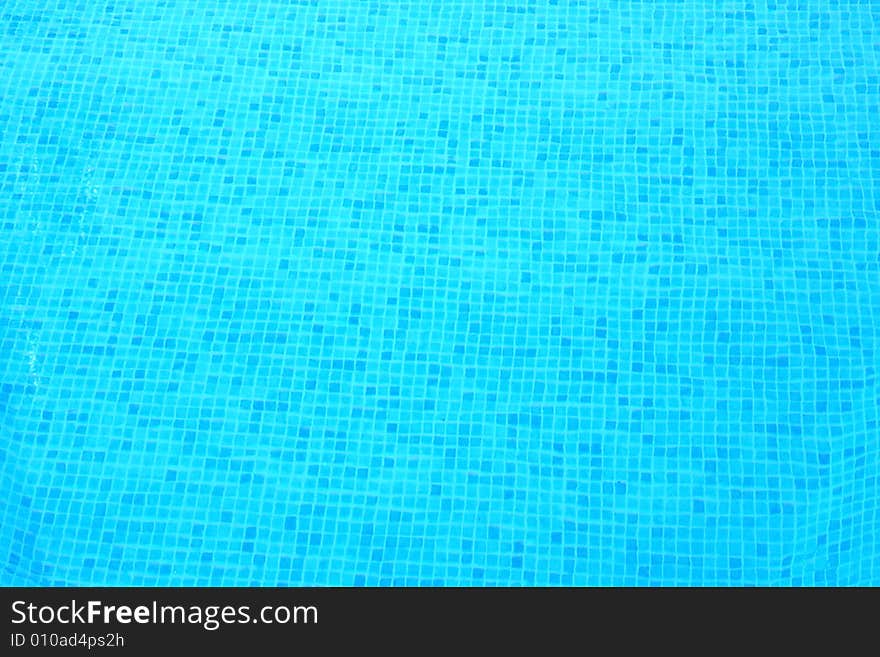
439, 293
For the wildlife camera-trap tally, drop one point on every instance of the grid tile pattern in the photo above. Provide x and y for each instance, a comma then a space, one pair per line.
439, 292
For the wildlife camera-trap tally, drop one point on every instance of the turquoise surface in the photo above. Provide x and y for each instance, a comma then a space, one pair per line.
455, 293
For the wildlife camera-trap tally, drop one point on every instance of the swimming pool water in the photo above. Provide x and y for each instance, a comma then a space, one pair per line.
439, 292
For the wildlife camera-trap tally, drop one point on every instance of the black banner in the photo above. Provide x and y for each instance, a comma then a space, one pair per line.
288, 620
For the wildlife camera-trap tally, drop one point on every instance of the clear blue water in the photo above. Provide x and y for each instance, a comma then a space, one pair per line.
385, 293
